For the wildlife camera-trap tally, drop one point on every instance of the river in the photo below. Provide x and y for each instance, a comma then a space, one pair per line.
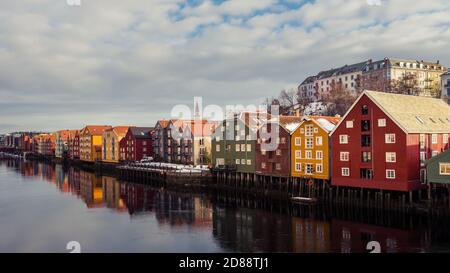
44, 206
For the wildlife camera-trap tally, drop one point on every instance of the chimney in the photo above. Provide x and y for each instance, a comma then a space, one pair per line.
297, 113
437, 62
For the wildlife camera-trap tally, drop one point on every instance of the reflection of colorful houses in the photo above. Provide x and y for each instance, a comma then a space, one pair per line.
310, 235
74, 181
91, 189
352, 237
111, 193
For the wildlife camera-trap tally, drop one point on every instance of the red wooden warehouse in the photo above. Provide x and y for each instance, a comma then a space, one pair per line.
137, 144
384, 140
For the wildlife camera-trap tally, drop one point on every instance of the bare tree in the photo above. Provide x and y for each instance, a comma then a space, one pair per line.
407, 85
339, 100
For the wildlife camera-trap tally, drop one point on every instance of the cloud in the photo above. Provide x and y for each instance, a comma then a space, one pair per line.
66, 66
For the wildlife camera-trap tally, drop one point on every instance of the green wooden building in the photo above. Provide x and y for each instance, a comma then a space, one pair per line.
234, 142
438, 168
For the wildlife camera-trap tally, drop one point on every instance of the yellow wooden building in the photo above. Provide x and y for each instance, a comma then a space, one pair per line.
111, 140
310, 147
91, 139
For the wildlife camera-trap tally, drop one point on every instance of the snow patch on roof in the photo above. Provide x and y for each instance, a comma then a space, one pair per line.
327, 125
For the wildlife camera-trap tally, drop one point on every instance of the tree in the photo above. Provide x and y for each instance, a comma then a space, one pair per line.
407, 85
339, 100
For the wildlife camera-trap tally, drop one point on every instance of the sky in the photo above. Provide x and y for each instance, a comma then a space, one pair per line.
116, 62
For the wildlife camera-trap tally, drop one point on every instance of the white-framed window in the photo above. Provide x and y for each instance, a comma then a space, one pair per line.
345, 171
319, 168
302, 131
445, 138
434, 138
298, 167
249, 147
217, 147
238, 161
343, 139
390, 174
349, 124
249, 162
263, 152
389, 138
298, 154
309, 130
319, 141
308, 154
309, 143
243, 161
382, 122
316, 130
444, 168
278, 166
263, 165
434, 153
242, 147
344, 156
319, 155
391, 157
309, 168
278, 152
298, 141
238, 147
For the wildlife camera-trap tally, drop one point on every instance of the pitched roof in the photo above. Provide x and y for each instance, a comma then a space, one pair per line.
120, 131
325, 122
96, 129
141, 132
64, 134
164, 123
202, 127
290, 123
437, 157
413, 114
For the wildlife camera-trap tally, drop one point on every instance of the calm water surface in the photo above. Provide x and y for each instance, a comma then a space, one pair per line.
44, 206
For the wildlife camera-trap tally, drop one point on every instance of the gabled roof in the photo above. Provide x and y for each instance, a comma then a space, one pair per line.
65, 134
141, 132
327, 123
289, 123
437, 157
413, 114
120, 131
163, 122
96, 129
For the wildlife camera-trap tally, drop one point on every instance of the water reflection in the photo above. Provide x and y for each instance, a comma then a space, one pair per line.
227, 222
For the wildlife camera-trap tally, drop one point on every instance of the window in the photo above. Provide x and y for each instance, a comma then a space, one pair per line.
283, 140
365, 141
308, 154
309, 168
298, 167
345, 172
217, 147
444, 168
423, 158
249, 162
298, 141
422, 141
389, 138
381, 122
278, 166
319, 168
390, 174
238, 161
263, 165
434, 139
434, 153
298, 154
238, 147
445, 138
263, 152
319, 141
243, 161
391, 157
365, 110
242, 147
309, 130
318, 154
309, 143
316, 130
349, 124
366, 173
365, 125
366, 157
249, 147
278, 152
344, 156
343, 139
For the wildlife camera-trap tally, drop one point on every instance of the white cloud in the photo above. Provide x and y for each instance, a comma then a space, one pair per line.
149, 55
